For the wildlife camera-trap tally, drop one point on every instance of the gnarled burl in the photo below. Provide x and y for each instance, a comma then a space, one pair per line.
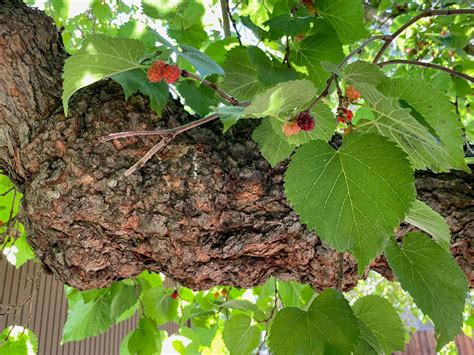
208, 210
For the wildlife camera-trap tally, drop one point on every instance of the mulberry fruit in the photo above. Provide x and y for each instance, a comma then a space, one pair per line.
171, 73
174, 295
305, 121
155, 72
346, 114
352, 94
290, 128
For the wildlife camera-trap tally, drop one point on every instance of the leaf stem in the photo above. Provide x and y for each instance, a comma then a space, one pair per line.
427, 65
230, 99
428, 13
356, 51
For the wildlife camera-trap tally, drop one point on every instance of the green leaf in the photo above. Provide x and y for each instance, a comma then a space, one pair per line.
100, 57
272, 142
199, 97
134, 29
193, 36
347, 18
282, 100
382, 319
291, 293
87, 319
269, 72
313, 50
101, 10
145, 340
424, 217
368, 344
434, 280
134, 81
20, 341
438, 112
363, 72
352, 198
200, 61
241, 304
17, 250
328, 327
123, 297
61, 8
241, 80
159, 305
218, 50
239, 336
229, 115
396, 123
288, 25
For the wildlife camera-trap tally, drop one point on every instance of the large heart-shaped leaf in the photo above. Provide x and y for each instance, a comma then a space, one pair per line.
328, 327
354, 197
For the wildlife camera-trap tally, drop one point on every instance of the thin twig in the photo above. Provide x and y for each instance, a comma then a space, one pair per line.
343, 62
155, 149
427, 65
267, 320
234, 24
230, 99
286, 58
340, 271
170, 132
427, 13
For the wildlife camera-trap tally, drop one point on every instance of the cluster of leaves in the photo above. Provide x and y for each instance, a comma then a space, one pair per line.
13, 242
353, 197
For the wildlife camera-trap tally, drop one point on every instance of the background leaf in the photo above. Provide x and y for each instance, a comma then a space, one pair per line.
424, 217
434, 280
328, 327
382, 319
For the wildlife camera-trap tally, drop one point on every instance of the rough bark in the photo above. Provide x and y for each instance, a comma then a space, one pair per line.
208, 210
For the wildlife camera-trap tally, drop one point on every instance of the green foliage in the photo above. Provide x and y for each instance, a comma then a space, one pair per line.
159, 305
16, 340
347, 18
273, 144
323, 46
240, 337
382, 321
328, 326
93, 312
341, 194
424, 217
14, 245
431, 276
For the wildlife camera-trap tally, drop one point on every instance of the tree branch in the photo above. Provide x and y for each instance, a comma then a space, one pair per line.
428, 13
230, 99
225, 18
427, 65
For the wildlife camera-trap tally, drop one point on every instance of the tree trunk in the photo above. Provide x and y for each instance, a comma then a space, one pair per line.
207, 210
